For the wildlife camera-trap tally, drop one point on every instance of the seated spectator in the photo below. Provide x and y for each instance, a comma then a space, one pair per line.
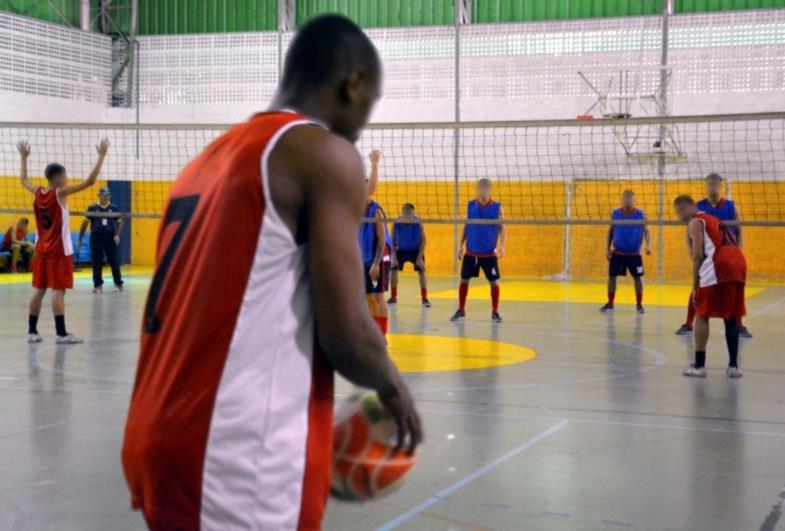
15, 242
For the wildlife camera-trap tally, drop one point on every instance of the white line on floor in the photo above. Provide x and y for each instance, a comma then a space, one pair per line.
630, 424
765, 309
439, 496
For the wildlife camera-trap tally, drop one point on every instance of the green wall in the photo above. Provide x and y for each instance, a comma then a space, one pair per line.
382, 13
206, 16
212, 16
58, 11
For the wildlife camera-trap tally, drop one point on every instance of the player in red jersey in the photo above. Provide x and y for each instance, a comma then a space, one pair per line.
15, 242
230, 424
719, 274
53, 267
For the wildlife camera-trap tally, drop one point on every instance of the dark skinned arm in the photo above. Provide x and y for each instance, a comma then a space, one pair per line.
330, 192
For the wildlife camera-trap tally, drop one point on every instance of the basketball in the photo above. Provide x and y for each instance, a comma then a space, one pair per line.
364, 465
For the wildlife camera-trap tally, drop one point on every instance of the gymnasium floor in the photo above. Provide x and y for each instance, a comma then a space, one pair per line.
560, 418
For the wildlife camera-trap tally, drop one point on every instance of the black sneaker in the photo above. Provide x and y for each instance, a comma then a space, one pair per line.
458, 315
639, 308
743, 332
496, 318
684, 330
426, 303
392, 300
608, 307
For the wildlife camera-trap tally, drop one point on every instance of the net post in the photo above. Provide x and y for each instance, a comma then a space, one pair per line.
459, 18
567, 253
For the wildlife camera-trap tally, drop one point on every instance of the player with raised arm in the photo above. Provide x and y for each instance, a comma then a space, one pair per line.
375, 249
408, 237
719, 272
724, 210
481, 247
623, 249
53, 267
230, 424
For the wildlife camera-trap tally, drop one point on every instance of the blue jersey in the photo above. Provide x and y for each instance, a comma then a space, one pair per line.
481, 239
407, 236
724, 210
627, 239
368, 240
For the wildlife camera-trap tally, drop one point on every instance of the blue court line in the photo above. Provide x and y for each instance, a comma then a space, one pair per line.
439, 496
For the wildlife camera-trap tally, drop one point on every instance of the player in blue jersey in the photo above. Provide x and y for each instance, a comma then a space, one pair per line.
724, 210
408, 237
623, 249
375, 245
481, 247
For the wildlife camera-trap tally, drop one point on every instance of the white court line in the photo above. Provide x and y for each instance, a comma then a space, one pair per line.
765, 309
630, 424
439, 496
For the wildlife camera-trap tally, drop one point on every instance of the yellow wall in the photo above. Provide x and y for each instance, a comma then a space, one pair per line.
532, 250
13, 196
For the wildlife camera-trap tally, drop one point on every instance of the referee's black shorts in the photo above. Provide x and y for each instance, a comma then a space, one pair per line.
621, 263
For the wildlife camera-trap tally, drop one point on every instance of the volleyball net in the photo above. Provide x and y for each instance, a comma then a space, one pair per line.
557, 180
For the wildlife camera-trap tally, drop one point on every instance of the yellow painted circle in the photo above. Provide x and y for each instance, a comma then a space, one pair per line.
419, 353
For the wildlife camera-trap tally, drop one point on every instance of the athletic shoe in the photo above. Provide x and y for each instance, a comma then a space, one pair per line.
496, 318
734, 372
458, 315
426, 303
70, 339
14, 270
118, 287
392, 300
743, 332
639, 308
34, 338
695, 372
608, 307
99, 289
684, 330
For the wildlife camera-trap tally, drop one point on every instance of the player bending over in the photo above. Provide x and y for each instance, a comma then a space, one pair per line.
53, 268
719, 272
724, 210
481, 247
230, 424
375, 248
624, 249
15, 242
408, 238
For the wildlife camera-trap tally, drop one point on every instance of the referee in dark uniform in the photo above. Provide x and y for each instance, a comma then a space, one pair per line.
104, 238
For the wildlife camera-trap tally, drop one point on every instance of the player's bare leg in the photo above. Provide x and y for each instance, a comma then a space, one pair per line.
58, 309
463, 292
36, 301
495, 290
611, 294
16, 250
639, 294
393, 287
701, 338
423, 288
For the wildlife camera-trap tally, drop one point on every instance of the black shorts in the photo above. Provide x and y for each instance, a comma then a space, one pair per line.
621, 263
472, 264
408, 256
384, 278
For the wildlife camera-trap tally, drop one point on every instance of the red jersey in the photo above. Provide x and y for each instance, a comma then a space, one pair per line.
8, 239
724, 260
230, 424
52, 221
